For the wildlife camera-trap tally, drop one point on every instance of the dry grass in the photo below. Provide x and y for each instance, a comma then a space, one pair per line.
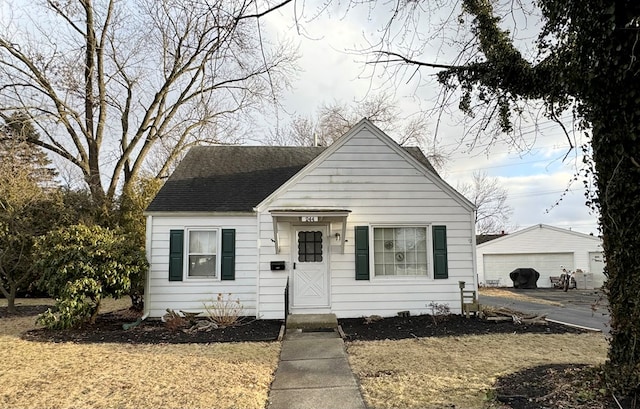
66, 375
500, 292
435, 372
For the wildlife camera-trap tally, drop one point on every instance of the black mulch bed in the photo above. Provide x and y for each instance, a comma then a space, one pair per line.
108, 328
357, 329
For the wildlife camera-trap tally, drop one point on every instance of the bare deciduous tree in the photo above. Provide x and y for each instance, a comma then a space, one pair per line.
490, 199
111, 84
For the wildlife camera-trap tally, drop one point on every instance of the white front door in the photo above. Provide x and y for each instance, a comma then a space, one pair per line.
310, 273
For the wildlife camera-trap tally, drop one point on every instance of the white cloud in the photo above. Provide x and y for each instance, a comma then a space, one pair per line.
536, 185
327, 71
544, 198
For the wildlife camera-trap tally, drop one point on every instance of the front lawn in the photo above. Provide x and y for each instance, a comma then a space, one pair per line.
122, 375
461, 371
438, 364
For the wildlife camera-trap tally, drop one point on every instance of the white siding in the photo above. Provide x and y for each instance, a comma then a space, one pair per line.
379, 186
596, 271
189, 295
539, 240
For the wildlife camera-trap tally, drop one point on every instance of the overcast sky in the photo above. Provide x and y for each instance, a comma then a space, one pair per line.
535, 177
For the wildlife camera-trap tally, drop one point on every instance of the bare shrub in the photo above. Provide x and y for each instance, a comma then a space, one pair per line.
225, 311
439, 312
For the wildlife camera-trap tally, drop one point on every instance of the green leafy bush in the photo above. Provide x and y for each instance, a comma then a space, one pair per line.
81, 265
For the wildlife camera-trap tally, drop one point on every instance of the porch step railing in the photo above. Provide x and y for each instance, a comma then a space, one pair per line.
286, 301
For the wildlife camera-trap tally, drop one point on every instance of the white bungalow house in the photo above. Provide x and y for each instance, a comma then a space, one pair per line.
361, 227
546, 249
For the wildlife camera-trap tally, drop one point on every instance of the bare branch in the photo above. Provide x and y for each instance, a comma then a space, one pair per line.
490, 200
406, 60
264, 13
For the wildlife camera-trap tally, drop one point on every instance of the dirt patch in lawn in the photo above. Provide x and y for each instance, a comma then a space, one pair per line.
557, 386
124, 373
28, 310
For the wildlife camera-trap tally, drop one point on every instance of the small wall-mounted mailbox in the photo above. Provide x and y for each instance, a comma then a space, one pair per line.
277, 265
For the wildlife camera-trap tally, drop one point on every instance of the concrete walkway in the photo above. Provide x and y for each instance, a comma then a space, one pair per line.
313, 373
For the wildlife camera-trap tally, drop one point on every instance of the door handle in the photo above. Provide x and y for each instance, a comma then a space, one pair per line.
294, 265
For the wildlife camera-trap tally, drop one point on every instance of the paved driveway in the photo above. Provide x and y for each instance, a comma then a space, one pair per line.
573, 307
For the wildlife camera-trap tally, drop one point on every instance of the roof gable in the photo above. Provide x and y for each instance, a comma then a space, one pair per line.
483, 238
412, 155
240, 178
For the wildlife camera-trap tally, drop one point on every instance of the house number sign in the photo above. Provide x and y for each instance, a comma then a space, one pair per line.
309, 219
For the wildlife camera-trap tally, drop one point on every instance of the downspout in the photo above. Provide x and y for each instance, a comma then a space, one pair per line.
474, 256
258, 250
147, 283
129, 325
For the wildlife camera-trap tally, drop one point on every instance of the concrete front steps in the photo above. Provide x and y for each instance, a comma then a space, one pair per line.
312, 323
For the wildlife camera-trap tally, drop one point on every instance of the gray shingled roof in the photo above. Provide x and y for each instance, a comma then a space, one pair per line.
483, 238
235, 178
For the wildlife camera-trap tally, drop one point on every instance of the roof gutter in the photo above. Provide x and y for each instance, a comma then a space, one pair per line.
200, 213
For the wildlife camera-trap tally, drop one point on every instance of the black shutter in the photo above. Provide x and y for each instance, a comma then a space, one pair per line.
362, 252
440, 264
176, 248
228, 265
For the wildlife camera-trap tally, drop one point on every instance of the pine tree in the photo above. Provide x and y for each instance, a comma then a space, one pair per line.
16, 149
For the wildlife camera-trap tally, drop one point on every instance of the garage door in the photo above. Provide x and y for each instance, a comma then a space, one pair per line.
498, 266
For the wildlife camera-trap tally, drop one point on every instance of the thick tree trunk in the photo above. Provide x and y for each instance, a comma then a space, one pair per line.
96, 311
11, 299
137, 301
93, 177
618, 179
612, 108
10, 294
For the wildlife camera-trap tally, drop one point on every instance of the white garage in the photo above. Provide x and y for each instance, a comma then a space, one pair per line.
545, 249
498, 266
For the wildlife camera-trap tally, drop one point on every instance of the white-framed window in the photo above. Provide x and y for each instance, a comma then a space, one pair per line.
202, 253
310, 246
401, 251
